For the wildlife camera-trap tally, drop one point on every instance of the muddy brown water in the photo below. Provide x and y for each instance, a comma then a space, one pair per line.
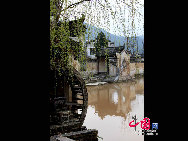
111, 107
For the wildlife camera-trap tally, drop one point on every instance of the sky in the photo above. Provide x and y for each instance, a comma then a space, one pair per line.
114, 16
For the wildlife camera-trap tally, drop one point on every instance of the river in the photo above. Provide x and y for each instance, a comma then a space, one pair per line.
111, 107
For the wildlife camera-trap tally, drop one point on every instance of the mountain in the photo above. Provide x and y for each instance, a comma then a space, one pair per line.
92, 32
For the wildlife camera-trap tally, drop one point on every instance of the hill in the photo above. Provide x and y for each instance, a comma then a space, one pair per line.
92, 32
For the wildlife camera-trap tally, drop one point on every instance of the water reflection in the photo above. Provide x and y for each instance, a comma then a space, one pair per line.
114, 99
111, 106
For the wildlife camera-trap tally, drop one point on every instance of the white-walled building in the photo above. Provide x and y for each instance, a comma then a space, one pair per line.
90, 49
111, 44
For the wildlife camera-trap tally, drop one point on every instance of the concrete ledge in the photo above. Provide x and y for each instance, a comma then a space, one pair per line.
96, 83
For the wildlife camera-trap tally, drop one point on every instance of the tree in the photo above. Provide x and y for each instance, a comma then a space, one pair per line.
59, 25
61, 46
101, 43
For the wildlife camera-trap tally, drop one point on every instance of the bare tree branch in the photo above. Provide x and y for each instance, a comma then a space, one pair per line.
74, 4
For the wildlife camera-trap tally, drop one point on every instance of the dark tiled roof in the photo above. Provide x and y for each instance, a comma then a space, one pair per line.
137, 55
110, 51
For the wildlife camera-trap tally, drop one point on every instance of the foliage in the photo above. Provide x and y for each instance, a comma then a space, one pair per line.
62, 47
101, 43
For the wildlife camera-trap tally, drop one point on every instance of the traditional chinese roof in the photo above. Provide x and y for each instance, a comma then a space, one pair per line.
137, 58
111, 51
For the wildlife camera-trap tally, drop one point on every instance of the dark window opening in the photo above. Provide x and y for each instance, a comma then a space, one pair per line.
92, 51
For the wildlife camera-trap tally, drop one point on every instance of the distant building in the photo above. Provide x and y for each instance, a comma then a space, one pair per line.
111, 44
113, 61
104, 62
90, 49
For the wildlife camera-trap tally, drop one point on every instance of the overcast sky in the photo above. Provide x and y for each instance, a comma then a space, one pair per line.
115, 16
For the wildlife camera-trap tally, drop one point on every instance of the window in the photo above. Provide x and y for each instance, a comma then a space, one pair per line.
92, 51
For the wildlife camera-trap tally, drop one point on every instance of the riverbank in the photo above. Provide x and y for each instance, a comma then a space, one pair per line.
97, 80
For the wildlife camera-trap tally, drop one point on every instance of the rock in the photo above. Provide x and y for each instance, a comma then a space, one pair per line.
60, 138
